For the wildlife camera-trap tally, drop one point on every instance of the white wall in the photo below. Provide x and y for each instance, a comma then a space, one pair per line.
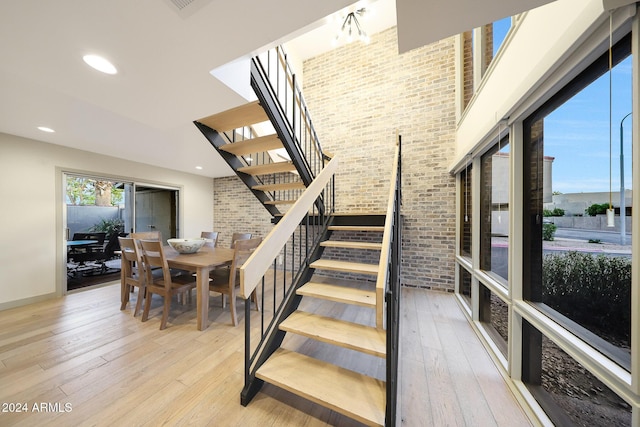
32, 246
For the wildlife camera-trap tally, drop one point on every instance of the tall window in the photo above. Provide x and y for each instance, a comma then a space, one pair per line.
465, 215
577, 265
494, 209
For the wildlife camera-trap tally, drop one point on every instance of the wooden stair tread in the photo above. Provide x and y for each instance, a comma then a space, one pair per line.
346, 266
268, 168
356, 228
337, 293
352, 394
351, 244
353, 336
297, 185
255, 145
243, 115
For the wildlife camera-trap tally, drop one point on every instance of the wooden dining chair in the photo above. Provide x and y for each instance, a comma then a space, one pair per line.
226, 281
164, 285
146, 235
239, 236
212, 235
132, 273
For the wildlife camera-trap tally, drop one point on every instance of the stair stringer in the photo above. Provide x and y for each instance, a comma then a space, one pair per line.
269, 103
217, 141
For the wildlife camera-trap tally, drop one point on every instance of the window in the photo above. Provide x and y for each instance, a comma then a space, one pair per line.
571, 273
465, 215
494, 209
499, 30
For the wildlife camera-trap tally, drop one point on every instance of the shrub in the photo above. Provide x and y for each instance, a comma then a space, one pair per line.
109, 226
594, 291
597, 209
548, 231
554, 212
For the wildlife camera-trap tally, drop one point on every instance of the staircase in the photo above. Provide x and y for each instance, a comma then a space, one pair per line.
262, 162
336, 261
337, 281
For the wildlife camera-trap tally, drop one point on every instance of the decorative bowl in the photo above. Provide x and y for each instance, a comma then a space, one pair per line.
187, 246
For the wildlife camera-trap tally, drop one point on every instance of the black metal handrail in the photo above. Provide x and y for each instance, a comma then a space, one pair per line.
392, 293
276, 71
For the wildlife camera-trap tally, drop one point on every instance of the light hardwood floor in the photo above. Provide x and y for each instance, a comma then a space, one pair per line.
113, 370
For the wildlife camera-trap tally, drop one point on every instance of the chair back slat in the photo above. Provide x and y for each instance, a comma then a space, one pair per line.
128, 248
211, 235
239, 236
146, 235
153, 256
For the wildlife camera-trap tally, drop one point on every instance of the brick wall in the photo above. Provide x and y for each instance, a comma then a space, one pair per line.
358, 96
236, 209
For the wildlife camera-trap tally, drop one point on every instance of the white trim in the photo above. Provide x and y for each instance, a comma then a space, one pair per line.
478, 47
635, 237
459, 75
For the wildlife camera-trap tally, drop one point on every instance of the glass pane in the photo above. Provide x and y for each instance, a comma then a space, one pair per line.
579, 265
499, 33
466, 203
566, 390
465, 284
494, 313
494, 208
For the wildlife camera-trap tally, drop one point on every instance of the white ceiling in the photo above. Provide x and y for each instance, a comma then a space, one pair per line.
164, 55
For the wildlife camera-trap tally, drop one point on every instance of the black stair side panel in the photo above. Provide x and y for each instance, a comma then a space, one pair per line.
217, 141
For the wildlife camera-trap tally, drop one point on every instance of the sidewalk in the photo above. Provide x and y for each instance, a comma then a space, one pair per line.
565, 244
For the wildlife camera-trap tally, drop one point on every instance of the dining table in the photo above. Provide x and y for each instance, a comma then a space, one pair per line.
200, 262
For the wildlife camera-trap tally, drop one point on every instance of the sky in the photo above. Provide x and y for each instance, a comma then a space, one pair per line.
577, 133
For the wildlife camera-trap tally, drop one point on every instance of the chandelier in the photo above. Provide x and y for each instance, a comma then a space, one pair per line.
351, 28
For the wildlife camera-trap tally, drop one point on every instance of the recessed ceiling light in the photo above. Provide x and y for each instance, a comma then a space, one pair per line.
45, 129
100, 64
199, 167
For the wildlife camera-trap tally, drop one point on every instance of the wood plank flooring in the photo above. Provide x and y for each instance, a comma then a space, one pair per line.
109, 368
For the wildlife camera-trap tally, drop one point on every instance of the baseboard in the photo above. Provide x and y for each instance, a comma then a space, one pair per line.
26, 301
